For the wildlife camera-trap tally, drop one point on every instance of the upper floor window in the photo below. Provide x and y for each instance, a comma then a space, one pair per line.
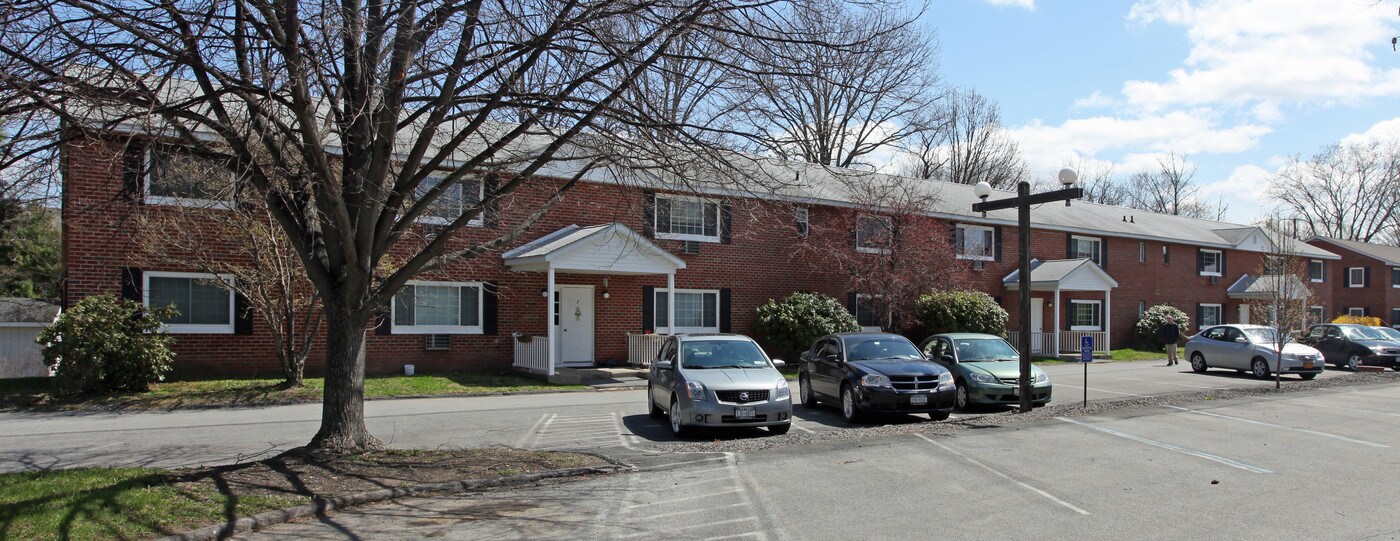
1209, 263
176, 176
1317, 270
1142, 251
1086, 247
1395, 277
975, 242
686, 218
203, 303
697, 311
438, 308
1356, 276
803, 225
873, 234
452, 202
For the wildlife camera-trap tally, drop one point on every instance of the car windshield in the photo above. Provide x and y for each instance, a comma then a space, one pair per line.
1362, 333
1387, 332
985, 349
701, 354
1261, 336
865, 349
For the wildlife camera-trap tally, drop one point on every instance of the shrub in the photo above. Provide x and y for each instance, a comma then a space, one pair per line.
1148, 330
791, 325
960, 311
106, 344
1370, 321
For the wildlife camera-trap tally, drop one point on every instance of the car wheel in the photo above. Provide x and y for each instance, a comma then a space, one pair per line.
677, 429
1260, 369
778, 430
653, 410
941, 415
1198, 363
1307, 376
1353, 361
962, 401
850, 410
809, 400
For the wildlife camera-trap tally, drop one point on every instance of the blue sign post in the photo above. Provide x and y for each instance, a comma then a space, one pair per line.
1086, 355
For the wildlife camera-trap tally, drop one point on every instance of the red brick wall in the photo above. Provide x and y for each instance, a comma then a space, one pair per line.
1378, 299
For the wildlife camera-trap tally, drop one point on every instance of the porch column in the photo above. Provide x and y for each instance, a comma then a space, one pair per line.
671, 302
1057, 310
549, 316
1107, 319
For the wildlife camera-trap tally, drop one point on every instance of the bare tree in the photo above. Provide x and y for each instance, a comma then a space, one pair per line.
1095, 177
1280, 293
820, 105
970, 146
351, 122
1172, 189
1347, 192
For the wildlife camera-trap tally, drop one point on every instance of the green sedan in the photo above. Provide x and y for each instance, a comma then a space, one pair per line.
985, 369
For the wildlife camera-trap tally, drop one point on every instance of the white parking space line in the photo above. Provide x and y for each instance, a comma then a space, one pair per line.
803, 428
1329, 406
1168, 383
1168, 446
685, 499
1103, 391
745, 535
524, 441
1042, 493
686, 463
691, 527
1377, 395
1271, 425
695, 510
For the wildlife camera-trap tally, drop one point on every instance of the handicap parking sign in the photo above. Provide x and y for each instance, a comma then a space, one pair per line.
1086, 349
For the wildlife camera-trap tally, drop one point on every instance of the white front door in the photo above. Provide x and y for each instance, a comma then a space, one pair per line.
1244, 314
574, 314
1037, 325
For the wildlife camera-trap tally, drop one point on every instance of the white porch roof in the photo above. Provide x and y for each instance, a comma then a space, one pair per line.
600, 249
1064, 275
1266, 286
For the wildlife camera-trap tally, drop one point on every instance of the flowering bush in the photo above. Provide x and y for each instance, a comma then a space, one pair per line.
793, 324
1148, 330
960, 311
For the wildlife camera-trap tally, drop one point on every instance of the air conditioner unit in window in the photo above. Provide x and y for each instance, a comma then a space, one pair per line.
437, 342
691, 247
978, 264
1214, 280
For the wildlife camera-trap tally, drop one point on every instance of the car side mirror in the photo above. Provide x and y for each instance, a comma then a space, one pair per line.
832, 359
778, 363
948, 359
1241, 340
662, 365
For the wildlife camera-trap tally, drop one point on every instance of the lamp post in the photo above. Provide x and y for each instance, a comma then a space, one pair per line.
1022, 203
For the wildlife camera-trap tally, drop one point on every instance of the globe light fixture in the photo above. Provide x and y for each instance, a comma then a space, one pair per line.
983, 191
1067, 178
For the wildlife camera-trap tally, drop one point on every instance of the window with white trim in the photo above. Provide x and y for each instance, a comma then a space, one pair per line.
802, 215
873, 234
438, 308
1316, 315
1142, 309
1086, 247
1317, 270
697, 311
176, 176
686, 218
975, 242
1355, 311
1211, 314
452, 202
1394, 317
1395, 277
1142, 251
1356, 276
866, 315
204, 305
1210, 263
1085, 315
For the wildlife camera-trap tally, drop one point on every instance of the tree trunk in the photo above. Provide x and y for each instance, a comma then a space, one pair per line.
343, 407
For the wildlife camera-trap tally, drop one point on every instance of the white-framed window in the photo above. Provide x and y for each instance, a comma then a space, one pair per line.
1395, 277
1356, 276
1317, 270
1166, 255
1142, 309
175, 176
975, 242
452, 202
802, 217
687, 218
1316, 315
1355, 311
1142, 251
873, 234
1211, 314
697, 311
203, 302
866, 315
1394, 317
423, 307
1086, 247
1085, 315
1210, 263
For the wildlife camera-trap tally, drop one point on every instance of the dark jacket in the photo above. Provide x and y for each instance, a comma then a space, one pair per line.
1170, 333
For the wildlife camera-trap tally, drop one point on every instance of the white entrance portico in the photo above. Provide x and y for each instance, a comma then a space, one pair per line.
1059, 275
607, 249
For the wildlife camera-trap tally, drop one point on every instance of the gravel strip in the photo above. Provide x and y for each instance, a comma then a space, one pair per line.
762, 441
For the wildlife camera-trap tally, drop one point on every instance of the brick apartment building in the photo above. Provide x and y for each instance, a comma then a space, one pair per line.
611, 252
1368, 283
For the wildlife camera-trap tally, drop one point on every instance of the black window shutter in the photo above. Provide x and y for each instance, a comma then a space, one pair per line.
490, 292
1166, 254
1069, 315
853, 301
1103, 253
131, 284
724, 306
134, 171
242, 315
726, 224
649, 215
382, 324
1069, 246
1200, 316
1200, 261
648, 309
490, 214
1366, 277
996, 239
1222, 265
953, 240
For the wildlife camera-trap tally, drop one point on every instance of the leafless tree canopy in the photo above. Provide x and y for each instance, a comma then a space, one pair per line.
1347, 192
969, 146
1172, 189
351, 121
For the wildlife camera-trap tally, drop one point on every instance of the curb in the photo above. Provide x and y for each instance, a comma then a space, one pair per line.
319, 507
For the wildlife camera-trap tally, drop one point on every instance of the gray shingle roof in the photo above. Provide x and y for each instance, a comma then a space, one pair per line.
1390, 255
22, 310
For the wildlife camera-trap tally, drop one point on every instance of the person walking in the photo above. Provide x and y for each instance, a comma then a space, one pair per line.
1170, 334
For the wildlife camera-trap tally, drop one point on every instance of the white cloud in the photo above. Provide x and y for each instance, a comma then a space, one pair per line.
1028, 5
1097, 100
1246, 192
1385, 130
1182, 132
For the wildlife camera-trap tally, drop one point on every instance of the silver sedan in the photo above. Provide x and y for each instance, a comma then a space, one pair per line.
716, 380
1251, 348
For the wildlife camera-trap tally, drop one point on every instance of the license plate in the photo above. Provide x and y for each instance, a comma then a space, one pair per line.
1016, 391
918, 400
1308, 364
743, 413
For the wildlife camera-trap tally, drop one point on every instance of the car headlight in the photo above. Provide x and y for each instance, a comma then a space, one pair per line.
982, 377
1293, 357
781, 390
695, 390
1042, 377
874, 380
945, 380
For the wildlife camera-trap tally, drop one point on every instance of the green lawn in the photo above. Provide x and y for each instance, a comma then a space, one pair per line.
115, 503
1130, 354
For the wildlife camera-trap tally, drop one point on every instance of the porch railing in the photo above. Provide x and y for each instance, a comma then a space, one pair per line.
642, 348
532, 353
1043, 342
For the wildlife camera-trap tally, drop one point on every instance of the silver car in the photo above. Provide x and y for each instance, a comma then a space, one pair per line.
717, 380
1250, 348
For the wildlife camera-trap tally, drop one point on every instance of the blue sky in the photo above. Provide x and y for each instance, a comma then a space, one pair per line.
1237, 86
